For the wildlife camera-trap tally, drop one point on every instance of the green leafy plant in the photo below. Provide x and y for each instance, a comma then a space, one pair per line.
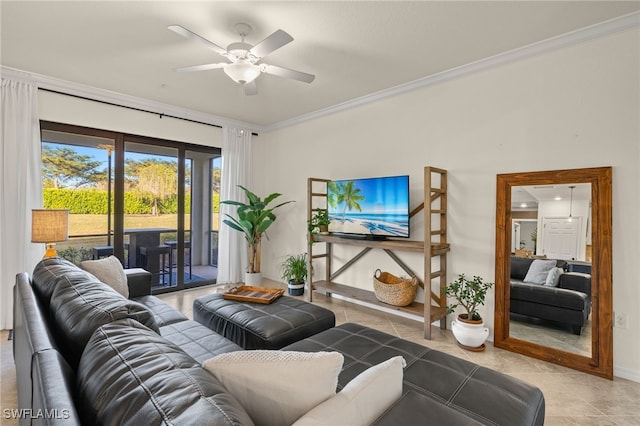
75, 255
318, 222
469, 293
253, 219
294, 268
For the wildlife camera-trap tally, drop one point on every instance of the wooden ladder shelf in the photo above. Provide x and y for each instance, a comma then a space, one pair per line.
434, 246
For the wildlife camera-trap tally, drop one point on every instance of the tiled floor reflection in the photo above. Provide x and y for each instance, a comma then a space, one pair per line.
553, 335
572, 398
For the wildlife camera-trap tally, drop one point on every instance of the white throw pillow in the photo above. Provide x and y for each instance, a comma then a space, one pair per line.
109, 271
277, 387
538, 271
554, 277
363, 399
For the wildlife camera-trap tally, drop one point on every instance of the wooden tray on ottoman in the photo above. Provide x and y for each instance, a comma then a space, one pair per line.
247, 293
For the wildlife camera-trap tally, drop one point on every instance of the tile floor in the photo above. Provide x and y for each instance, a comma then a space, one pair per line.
572, 398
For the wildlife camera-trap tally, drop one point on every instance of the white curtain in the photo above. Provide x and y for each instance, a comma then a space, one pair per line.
236, 170
20, 188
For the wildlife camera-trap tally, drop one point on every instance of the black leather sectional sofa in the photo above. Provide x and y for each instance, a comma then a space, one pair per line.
567, 303
86, 355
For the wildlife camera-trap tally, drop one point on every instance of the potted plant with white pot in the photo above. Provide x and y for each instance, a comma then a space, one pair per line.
294, 272
468, 328
253, 219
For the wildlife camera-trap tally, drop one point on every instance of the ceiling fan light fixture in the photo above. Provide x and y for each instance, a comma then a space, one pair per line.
242, 72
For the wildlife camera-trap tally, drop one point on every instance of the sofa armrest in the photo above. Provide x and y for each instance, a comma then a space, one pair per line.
576, 281
139, 282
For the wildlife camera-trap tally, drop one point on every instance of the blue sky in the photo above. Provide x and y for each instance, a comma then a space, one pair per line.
99, 154
388, 195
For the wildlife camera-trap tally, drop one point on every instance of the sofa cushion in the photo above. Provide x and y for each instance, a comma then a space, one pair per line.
413, 407
108, 270
197, 340
129, 375
480, 393
163, 313
46, 274
538, 271
520, 267
277, 387
549, 296
79, 307
364, 398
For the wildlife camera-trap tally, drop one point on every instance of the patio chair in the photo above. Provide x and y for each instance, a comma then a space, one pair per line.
154, 259
187, 259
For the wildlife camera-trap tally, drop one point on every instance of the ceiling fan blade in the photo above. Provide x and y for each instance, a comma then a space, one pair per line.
271, 43
287, 73
203, 67
195, 37
250, 89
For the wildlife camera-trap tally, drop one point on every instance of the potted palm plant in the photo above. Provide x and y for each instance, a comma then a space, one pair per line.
294, 272
253, 219
468, 329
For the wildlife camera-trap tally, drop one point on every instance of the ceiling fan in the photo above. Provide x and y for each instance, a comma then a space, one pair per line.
244, 60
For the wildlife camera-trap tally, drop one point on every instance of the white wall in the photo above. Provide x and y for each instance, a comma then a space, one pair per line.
571, 108
71, 110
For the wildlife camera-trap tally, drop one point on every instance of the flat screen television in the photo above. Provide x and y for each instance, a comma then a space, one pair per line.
369, 208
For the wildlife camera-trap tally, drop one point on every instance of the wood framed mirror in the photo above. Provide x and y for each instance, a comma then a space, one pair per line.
595, 250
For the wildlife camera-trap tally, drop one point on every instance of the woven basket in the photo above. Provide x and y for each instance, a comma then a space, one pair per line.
394, 290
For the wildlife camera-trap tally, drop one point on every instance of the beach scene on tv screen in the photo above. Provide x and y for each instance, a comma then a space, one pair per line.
375, 206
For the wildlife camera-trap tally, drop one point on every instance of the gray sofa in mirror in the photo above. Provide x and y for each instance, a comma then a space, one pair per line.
568, 302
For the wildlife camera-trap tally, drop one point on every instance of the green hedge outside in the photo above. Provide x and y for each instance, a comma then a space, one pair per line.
94, 201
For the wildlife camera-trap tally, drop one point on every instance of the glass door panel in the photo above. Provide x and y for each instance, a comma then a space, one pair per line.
197, 245
216, 168
77, 174
151, 212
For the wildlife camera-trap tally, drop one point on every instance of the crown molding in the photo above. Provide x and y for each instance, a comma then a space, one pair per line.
119, 99
613, 26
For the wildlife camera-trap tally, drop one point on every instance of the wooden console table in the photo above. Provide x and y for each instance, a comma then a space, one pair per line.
434, 247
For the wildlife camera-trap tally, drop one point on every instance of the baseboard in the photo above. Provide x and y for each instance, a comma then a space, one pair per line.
625, 373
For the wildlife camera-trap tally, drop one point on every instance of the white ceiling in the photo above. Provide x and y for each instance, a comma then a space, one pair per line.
533, 195
354, 48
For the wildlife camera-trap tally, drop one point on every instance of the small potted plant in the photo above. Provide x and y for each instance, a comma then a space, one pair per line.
469, 329
294, 272
319, 222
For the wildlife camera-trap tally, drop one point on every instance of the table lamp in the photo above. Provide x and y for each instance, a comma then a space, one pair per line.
49, 226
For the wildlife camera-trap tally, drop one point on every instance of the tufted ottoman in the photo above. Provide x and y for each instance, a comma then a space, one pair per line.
258, 326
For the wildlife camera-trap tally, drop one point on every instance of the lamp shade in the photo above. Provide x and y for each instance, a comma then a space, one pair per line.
49, 225
242, 71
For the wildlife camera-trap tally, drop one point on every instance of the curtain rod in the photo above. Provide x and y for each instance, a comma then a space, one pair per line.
135, 109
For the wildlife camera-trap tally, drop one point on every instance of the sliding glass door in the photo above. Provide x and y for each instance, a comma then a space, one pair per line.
147, 201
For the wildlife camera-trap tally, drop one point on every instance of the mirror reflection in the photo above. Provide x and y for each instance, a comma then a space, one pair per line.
550, 266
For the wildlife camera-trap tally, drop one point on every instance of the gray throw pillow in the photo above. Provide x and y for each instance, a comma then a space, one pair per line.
538, 271
554, 277
108, 270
